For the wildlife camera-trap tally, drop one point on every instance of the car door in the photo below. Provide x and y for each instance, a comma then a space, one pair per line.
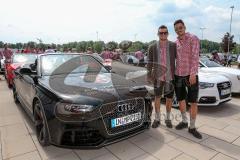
28, 91
18, 84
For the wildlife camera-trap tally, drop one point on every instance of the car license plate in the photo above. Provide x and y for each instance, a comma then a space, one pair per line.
225, 92
125, 120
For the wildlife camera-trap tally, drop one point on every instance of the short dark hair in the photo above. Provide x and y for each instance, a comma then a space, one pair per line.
179, 21
162, 27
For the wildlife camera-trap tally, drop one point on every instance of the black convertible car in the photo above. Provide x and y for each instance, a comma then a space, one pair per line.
76, 102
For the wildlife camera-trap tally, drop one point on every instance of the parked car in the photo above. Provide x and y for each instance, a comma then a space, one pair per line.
17, 61
75, 101
129, 59
232, 74
2, 69
213, 90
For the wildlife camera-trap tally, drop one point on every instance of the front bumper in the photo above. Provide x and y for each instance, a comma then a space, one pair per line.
212, 96
97, 132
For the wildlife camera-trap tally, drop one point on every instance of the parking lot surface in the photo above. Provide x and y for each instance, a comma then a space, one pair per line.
220, 127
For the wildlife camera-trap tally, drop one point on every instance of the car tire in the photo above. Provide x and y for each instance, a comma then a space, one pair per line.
15, 95
40, 125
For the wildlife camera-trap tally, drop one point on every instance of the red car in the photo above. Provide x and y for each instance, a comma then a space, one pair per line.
17, 61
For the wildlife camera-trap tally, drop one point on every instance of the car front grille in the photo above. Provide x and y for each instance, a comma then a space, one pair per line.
111, 111
207, 100
83, 137
223, 86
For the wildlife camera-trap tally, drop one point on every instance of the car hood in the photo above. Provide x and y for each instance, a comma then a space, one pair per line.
211, 78
92, 89
226, 70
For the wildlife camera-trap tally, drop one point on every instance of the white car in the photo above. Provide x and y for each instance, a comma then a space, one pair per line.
213, 89
129, 59
232, 74
2, 67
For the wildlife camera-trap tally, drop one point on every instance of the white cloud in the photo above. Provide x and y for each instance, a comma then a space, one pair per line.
61, 21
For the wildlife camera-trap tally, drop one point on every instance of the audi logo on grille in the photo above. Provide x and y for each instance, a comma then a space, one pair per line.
125, 107
225, 85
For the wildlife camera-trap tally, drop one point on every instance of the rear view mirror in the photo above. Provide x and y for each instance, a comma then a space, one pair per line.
25, 71
33, 67
109, 68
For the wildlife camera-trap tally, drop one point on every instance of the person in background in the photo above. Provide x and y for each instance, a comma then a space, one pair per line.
7, 53
107, 54
89, 50
186, 76
229, 60
1, 57
215, 57
27, 50
238, 60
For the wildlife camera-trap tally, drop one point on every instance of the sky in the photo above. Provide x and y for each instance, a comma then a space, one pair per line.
62, 21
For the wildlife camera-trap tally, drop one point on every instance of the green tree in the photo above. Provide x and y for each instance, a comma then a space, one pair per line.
225, 40
1, 44
81, 46
136, 46
19, 45
98, 46
112, 45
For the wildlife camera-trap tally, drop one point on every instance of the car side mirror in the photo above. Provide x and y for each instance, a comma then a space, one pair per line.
33, 66
25, 71
109, 68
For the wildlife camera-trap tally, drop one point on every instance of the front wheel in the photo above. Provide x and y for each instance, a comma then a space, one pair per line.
40, 125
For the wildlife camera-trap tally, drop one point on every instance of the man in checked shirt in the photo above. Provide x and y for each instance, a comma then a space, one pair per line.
160, 67
186, 76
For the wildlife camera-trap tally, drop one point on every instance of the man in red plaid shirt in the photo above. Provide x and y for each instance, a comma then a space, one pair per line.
186, 76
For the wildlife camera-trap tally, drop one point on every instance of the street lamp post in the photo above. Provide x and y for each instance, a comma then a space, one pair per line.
202, 29
97, 35
230, 30
135, 37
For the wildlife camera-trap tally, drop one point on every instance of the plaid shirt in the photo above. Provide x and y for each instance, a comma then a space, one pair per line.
7, 54
163, 59
187, 55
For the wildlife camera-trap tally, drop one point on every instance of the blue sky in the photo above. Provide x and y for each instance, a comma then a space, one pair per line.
60, 21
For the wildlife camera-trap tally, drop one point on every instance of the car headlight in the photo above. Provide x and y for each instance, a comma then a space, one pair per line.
238, 76
66, 108
204, 85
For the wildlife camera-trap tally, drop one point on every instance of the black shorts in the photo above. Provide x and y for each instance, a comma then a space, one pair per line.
163, 88
183, 89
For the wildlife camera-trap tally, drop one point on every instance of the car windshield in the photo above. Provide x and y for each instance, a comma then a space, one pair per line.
209, 63
57, 64
24, 58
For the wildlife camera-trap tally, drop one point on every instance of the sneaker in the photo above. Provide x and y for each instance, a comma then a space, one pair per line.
155, 124
195, 133
168, 123
181, 125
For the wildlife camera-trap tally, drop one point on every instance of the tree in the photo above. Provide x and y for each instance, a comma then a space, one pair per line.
81, 46
111, 45
1, 44
225, 42
136, 46
98, 46
31, 44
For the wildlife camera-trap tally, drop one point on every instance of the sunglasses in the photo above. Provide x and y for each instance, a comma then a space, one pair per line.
162, 33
